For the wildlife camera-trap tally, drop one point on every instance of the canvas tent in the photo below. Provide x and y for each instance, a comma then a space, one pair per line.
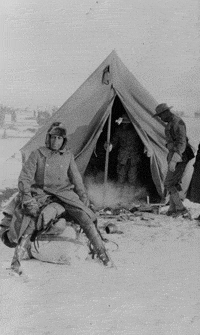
108, 90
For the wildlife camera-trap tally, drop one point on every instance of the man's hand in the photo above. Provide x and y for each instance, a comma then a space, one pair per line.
172, 166
31, 208
85, 200
176, 158
106, 145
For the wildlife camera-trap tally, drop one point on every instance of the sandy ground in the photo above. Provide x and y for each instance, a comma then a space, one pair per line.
154, 288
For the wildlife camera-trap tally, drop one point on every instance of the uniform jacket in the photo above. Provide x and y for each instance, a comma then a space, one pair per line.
55, 173
175, 132
127, 139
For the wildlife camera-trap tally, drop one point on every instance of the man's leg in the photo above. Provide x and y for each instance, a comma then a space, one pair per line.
132, 174
90, 230
172, 183
19, 253
121, 173
175, 199
22, 247
172, 207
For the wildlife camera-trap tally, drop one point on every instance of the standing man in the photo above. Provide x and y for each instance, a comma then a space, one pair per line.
177, 158
129, 151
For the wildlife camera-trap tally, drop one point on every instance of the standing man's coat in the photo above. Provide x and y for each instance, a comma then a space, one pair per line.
178, 157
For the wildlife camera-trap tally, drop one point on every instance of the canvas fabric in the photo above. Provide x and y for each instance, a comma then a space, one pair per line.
85, 113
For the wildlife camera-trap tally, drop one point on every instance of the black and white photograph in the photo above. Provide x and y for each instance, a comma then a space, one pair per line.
99, 167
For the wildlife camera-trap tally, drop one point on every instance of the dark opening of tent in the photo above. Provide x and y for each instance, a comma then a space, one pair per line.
119, 157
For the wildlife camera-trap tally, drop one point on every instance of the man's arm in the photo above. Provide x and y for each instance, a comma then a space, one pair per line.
181, 137
25, 180
179, 145
115, 139
77, 181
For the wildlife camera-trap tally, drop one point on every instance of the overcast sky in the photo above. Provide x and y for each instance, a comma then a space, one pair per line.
49, 47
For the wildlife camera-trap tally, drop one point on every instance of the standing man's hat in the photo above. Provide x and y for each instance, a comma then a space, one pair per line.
161, 108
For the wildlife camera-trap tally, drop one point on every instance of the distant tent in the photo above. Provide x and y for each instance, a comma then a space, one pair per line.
110, 90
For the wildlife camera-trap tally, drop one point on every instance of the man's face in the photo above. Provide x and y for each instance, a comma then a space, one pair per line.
165, 116
56, 142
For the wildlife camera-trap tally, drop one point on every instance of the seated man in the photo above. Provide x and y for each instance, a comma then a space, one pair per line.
49, 175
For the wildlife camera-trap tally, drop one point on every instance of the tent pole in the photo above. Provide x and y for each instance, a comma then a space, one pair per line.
107, 153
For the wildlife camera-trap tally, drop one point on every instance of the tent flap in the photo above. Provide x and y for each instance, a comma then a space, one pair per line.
86, 111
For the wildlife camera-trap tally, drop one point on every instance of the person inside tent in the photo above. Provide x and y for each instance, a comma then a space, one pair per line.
179, 154
129, 151
51, 174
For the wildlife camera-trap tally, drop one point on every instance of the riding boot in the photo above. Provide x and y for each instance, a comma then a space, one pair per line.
89, 228
172, 207
175, 198
19, 253
96, 241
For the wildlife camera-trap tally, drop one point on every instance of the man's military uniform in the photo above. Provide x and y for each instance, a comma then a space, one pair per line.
128, 154
177, 142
